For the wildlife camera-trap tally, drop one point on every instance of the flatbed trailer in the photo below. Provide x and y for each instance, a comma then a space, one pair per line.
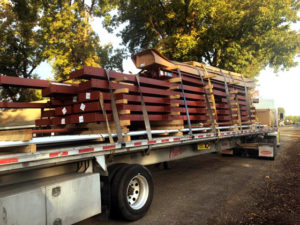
64, 183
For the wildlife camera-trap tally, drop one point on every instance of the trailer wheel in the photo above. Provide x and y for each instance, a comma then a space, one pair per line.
113, 169
106, 197
132, 192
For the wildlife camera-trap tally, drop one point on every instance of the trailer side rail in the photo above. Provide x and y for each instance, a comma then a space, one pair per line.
64, 154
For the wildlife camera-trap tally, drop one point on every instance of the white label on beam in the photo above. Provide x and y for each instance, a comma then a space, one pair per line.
81, 120
82, 107
64, 111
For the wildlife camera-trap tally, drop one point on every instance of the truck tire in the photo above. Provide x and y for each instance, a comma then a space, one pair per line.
113, 169
132, 192
106, 197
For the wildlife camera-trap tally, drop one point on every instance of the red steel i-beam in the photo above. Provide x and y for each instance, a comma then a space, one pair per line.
23, 82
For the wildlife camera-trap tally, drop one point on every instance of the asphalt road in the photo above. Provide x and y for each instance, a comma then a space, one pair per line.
201, 189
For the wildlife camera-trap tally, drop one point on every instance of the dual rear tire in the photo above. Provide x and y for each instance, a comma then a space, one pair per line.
131, 191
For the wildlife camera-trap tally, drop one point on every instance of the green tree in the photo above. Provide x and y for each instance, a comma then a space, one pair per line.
243, 36
57, 31
20, 49
111, 58
69, 39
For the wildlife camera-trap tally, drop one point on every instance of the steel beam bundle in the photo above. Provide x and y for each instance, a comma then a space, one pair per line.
172, 99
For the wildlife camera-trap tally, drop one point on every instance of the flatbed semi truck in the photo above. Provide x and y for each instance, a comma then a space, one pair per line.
71, 178
168, 111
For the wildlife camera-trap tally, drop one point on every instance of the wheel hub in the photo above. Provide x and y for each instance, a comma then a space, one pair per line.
137, 192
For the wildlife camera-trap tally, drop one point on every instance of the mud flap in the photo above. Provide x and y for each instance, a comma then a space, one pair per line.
227, 152
266, 151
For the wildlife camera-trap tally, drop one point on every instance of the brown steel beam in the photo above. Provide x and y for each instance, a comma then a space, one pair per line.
23, 82
22, 105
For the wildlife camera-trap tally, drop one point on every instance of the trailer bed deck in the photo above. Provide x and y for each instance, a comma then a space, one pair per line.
78, 152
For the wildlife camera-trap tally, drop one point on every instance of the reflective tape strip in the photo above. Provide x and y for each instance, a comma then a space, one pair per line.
8, 161
108, 147
56, 154
137, 143
85, 150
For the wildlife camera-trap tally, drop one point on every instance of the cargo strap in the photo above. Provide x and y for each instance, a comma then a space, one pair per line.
247, 98
101, 101
114, 110
145, 114
210, 112
237, 103
185, 103
227, 95
213, 102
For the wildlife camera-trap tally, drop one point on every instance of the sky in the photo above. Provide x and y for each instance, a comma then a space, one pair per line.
282, 87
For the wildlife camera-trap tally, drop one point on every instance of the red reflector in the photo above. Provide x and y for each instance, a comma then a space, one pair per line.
222, 133
8, 161
85, 150
108, 147
266, 152
200, 136
228, 133
208, 135
151, 142
55, 154
164, 140
176, 139
137, 143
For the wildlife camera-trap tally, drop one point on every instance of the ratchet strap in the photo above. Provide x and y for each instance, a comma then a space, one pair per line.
185, 103
236, 102
101, 101
210, 113
145, 113
114, 110
227, 95
247, 98
213, 102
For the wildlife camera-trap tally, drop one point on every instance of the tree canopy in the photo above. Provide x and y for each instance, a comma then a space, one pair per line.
242, 36
57, 31
20, 48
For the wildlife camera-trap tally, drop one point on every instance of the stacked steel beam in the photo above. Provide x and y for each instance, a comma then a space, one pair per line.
173, 99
